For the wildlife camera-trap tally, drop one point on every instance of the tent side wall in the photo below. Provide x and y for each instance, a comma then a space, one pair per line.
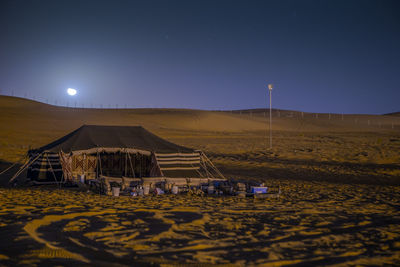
51, 168
179, 165
118, 163
46, 169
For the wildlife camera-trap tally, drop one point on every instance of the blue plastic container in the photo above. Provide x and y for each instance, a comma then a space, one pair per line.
259, 189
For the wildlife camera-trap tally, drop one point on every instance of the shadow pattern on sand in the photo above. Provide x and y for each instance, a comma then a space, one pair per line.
312, 223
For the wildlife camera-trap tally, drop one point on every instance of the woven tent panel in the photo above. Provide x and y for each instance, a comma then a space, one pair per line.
95, 136
46, 168
129, 151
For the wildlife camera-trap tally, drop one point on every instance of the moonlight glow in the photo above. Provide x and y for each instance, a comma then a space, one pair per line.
71, 91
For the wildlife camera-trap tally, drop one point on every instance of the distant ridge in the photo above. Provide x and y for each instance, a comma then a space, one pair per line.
260, 110
13, 101
393, 114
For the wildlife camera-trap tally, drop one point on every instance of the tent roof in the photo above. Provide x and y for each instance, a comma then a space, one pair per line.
95, 136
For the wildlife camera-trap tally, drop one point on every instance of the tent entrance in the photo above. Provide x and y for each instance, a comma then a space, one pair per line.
114, 164
135, 165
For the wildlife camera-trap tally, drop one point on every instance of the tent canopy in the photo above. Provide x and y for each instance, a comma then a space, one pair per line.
129, 151
89, 137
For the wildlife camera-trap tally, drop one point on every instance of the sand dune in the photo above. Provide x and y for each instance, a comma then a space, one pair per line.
339, 174
26, 123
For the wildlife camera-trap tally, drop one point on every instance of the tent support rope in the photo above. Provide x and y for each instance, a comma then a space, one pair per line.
19, 161
203, 164
212, 165
8, 168
201, 175
52, 171
23, 167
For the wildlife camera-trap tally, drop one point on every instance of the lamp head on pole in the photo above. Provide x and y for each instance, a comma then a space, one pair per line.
270, 86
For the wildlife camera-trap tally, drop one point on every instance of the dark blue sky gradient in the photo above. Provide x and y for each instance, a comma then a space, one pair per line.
321, 56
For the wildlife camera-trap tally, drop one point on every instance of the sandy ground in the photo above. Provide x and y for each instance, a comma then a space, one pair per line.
313, 223
340, 178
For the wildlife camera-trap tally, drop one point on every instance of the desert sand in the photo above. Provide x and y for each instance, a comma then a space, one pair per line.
339, 175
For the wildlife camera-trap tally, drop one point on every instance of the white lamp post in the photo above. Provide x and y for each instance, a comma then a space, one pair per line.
270, 115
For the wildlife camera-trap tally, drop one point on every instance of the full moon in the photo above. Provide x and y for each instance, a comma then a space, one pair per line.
71, 91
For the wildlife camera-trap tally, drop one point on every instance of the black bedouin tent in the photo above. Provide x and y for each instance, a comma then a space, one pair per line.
117, 151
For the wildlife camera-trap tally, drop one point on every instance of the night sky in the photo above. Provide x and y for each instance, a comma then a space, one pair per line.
321, 56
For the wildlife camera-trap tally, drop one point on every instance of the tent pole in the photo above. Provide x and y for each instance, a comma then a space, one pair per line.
126, 160
66, 168
62, 176
140, 164
52, 171
133, 170
134, 166
101, 169
97, 165
157, 164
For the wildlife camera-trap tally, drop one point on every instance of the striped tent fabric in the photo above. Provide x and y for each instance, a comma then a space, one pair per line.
46, 168
178, 161
130, 151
